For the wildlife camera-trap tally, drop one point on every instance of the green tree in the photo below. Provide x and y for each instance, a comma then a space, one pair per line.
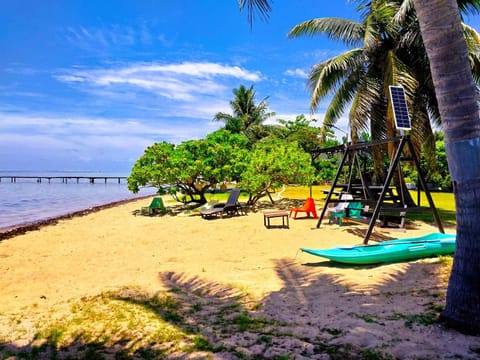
194, 166
438, 176
272, 163
301, 131
149, 169
311, 139
247, 117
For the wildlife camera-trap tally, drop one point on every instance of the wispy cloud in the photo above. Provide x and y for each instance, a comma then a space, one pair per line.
85, 139
297, 73
183, 81
65, 126
113, 35
18, 69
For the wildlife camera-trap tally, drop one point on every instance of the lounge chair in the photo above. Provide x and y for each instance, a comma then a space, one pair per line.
308, 207
231, 207
155, 207
196, 210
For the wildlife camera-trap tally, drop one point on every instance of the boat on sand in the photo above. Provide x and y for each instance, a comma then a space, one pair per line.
433, 244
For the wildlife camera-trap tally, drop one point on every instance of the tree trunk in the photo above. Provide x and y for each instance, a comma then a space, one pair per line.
444, 41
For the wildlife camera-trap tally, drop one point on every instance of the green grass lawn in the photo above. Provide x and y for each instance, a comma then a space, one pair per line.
444, 202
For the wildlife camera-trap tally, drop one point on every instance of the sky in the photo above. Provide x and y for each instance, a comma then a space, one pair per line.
87, 85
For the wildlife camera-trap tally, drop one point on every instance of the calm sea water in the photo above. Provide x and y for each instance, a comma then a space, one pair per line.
27, 201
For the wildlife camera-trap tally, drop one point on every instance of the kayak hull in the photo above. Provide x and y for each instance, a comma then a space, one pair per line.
390, 251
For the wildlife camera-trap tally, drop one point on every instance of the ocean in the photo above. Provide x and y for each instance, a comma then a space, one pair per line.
26, 200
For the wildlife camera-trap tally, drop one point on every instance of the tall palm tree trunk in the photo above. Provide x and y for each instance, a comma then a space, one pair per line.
442, 34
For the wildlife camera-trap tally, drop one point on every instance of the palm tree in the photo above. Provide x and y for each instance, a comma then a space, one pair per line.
442, 35
389, 52
360, 77
247, 116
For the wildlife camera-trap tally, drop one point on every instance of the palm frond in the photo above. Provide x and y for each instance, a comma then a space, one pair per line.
400, 73
469, 6
221, 116
261, 6
325, 77
348, 31
368, 107
472, 37
342, 98
404, 11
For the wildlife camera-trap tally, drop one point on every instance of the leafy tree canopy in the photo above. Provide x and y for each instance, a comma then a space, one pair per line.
192, 167
301, 131
195, 166
274, 162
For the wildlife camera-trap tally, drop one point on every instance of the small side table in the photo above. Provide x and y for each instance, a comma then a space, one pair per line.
267, 216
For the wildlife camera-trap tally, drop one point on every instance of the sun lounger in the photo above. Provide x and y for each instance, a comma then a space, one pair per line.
231, 207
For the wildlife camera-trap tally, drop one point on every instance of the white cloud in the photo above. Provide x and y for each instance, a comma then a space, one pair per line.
70, 78
184, 81
67, 127
199, 69
113, 35
32, 138
297, 73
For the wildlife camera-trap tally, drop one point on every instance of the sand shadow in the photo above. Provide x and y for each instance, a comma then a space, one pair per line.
313, 315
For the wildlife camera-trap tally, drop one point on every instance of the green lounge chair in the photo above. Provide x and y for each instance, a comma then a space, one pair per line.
155, 207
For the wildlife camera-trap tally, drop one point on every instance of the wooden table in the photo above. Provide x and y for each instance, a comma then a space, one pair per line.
267, 216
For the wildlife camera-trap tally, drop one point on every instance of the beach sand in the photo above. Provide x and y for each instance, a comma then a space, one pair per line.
312, 302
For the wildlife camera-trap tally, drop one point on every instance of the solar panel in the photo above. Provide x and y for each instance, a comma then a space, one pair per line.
400, 110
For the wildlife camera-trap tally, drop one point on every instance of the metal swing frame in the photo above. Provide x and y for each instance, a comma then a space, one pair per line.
352, 149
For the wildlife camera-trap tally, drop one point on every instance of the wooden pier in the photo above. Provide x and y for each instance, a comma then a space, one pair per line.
62, 179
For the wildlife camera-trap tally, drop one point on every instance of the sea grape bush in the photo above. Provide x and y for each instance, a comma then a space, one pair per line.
196, 166
192, 167
274, 162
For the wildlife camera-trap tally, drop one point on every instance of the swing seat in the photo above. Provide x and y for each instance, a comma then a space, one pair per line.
353, 211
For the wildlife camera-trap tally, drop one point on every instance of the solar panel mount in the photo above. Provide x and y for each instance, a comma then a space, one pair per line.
400, 109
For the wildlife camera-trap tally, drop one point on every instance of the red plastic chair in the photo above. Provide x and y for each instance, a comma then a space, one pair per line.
308, 207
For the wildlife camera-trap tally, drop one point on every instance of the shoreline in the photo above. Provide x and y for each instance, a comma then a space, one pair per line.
20, 229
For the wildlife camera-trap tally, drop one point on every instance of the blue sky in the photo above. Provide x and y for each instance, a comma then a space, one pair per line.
87, 85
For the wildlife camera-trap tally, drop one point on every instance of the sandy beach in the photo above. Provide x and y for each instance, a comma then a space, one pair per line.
308, 305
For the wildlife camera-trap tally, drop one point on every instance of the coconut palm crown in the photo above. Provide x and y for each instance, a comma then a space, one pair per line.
247, 117
388, 51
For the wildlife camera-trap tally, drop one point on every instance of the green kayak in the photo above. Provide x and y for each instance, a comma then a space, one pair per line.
390, 251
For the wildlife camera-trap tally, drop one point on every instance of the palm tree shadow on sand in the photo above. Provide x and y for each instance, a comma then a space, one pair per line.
314, 315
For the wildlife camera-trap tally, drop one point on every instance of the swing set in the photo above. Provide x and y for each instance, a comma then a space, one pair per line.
386, 202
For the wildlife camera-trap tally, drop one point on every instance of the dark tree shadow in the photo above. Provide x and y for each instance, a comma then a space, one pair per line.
328, 315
